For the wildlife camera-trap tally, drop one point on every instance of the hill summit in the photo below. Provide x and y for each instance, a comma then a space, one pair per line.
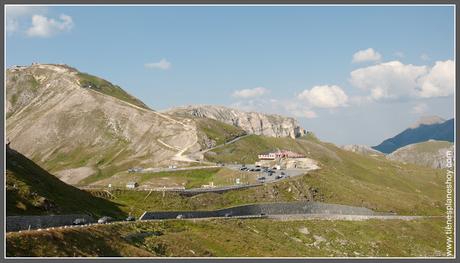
427, 128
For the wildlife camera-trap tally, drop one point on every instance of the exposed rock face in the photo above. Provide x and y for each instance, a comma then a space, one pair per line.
61, 125
361, 149
427, 120
252, 122
431, 153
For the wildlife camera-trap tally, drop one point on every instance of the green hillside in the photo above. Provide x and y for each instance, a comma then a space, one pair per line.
30, 190
103, 86
350, 178
238, 238
218, 131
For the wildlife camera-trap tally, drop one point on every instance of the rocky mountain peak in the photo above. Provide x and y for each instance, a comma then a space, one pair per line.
427, 120
252, 122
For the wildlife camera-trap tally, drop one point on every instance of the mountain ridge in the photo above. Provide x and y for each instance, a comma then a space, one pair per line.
423, 132
258, 123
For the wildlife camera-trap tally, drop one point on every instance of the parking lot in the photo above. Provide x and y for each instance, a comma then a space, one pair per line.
268, 174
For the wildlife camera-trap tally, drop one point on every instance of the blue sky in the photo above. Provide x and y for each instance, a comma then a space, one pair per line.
351, 74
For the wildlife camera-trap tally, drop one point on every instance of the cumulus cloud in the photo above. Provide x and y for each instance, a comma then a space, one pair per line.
285, 107
12, 25
250, 93
388, 80
300, 110
324, 96
17, 15
395, 80
440, 81
33, 21
43, 26
162, 64
420, 108
366, 55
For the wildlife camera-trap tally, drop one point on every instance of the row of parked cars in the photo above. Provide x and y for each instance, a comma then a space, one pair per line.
102, 220
263, 169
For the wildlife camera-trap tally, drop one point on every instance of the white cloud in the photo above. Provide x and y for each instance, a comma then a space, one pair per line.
388, 80
250, 93
18, 15
300, 110
420, 108
162, 64
395, 80
291, 107
440, 81
324, 96
43, 26
424, 57
12, 25
366, 55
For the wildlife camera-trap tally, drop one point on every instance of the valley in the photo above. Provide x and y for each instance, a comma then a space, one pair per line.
80, 144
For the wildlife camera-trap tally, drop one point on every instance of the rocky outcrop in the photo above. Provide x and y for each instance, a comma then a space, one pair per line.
252, 122
430, 154
427, 120
361, 149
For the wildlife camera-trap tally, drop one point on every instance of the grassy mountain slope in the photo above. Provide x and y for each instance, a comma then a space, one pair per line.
238, 238
82, 128
217, 131
30, 190
439, 131
350, 178
103, 86
431, 153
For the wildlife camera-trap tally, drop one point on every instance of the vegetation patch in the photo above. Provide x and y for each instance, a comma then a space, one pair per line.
218, 131
30, 190
238, 238
105, 87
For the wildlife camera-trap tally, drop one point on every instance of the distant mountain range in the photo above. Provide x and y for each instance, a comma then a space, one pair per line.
427, 128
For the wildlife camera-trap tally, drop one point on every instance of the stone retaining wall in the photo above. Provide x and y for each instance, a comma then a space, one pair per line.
16, 223
267, 209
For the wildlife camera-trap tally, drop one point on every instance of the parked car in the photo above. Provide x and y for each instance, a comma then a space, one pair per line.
252, 170
130, 218
104, 220
257, 170
261, 178
282, 173
278, 177
79, 221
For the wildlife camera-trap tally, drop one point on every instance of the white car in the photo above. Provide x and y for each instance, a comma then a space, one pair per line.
104, 220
